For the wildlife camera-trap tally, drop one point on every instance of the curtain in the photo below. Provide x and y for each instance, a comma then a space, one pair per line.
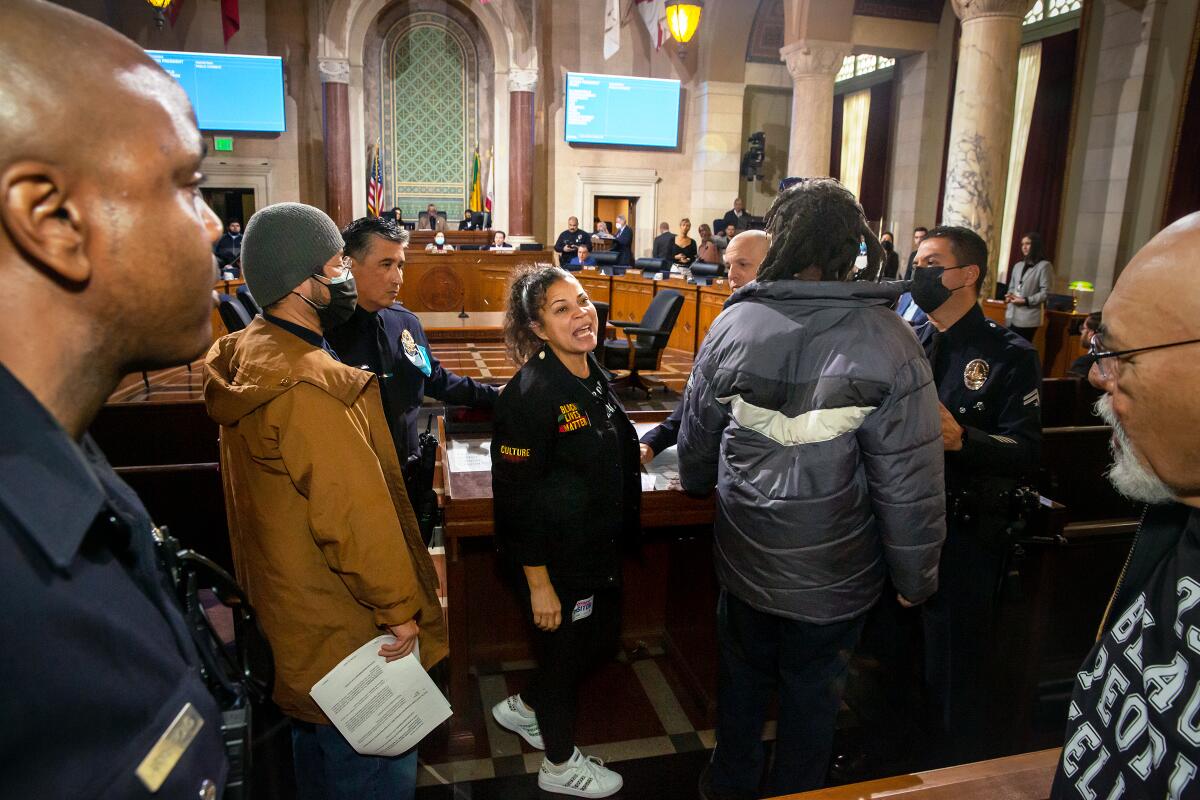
856, 111
1185, 182
1040, 205
873, 192
1029, 67
835, 149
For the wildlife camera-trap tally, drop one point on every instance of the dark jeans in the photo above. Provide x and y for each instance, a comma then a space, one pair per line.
328, 768
1026, 333
565, 656
807, 662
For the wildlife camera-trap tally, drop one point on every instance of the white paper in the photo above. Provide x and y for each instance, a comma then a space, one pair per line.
383, 709
473, 457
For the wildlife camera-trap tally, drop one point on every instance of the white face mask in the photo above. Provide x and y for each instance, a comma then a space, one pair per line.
439, 239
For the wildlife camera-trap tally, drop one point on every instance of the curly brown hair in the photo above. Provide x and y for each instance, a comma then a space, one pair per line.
526, 296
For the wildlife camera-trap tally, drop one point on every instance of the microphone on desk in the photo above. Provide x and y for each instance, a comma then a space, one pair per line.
463, 314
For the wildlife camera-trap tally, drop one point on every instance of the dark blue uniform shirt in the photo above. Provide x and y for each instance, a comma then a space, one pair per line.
392, 344
97, 662
990, 380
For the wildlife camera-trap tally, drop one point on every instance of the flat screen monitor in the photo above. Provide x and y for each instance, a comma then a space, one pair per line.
229, 93
620, 110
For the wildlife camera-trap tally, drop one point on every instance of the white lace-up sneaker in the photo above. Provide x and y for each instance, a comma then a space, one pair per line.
581, 776
514, 715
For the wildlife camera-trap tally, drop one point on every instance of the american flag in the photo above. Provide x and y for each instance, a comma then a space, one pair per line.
375, 184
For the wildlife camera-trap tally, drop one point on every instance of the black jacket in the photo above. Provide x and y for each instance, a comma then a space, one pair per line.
662, 245
566, 483
623, 245
571, 240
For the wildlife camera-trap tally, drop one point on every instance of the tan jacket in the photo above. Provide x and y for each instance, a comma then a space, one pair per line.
424, 223
324, 539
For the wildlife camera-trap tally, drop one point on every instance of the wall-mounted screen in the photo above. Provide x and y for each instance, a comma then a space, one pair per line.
618, 110
229, 93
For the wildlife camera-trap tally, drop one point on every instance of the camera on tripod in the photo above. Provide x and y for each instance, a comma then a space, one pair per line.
752, 160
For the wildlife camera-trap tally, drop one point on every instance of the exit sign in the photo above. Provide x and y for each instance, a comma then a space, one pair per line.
223, 144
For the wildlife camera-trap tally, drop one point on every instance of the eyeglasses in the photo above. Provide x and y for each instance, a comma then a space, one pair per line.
1106, 361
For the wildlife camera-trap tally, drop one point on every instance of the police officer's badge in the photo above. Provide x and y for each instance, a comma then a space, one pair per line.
416, 353
410, 345
976, 373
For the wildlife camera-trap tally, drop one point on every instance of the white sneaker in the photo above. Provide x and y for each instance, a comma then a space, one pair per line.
581, 776
511, 714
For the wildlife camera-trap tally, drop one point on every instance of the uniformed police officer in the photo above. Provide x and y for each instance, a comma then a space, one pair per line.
386, 338
989, 383
101, 689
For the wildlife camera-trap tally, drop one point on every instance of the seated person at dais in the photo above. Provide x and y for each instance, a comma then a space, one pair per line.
438, 245
583, 257
499, 243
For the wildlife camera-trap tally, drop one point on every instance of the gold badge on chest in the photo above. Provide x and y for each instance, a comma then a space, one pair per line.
976, 373
409, 344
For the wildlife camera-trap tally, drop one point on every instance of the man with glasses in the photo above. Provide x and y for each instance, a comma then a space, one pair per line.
1133, 726
989, 383
323, 536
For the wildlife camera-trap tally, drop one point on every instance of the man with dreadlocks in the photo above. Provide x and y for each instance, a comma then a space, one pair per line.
812, 410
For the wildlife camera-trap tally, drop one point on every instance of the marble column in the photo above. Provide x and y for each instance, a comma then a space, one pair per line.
813, 63
521, 86
335, 86
981, 128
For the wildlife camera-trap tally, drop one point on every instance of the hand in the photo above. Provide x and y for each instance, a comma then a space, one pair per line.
1019, 301
647, 454
406, 640
952, 432
905, 602
547, 611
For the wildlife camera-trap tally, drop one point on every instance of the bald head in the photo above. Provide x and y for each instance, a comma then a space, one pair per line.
1155, 395
743, 256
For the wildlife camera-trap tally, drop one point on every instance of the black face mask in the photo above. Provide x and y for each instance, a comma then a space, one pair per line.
927, 289
887, 246
343, 298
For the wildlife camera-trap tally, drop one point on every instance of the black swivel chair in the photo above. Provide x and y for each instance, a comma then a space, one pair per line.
248, 302
530, 246
233, 313
653, 266
606, 262
644, 342
601, 328
703, 273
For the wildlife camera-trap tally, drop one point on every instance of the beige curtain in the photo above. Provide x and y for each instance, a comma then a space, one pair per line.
856, 108
1028, 68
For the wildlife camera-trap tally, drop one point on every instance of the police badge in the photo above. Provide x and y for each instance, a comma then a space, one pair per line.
410, 345
976, 373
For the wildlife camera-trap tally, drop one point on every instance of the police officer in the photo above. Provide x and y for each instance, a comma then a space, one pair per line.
386, 338
568, 242
102, 690
989, 383
567, 492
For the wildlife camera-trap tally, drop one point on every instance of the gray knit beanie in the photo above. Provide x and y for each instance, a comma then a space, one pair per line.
284, 243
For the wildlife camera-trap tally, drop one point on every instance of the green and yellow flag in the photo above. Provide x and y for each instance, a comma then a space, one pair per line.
476, 203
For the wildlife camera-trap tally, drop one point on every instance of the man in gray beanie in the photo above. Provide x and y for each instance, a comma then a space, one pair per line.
323, 536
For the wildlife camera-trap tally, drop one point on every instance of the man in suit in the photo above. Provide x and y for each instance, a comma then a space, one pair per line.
431, 220
662, 242
737, 216
467, 223
918, 234
623, 244
583, 258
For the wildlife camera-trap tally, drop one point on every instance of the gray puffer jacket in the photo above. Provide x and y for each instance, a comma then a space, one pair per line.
812, 409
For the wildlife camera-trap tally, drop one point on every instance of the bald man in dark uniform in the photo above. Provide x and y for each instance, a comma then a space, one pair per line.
102, 691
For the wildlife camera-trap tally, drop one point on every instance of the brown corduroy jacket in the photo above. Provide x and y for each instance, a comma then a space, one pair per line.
324, 538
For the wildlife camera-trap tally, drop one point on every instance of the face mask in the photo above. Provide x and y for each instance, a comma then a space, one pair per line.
927, 289
343, 297
887, 246
439, 240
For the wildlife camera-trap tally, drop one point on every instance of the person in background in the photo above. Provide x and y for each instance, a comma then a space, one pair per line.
890, 267
743, 256
623, 242
386, 338
438, 245
467, 223
395, 215
1131, 724
1029, 283
723, 239
737, 216
821, 495
569, 240
683, 247
707, 250
431, 220
582, 258
918, 234
567, 491
322, 532
663, 243
99, 662
228, 248
1081, 366
499, 243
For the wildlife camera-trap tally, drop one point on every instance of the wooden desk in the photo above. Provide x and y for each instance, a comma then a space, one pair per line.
447, 326
1023, 777
476, 279
418, 239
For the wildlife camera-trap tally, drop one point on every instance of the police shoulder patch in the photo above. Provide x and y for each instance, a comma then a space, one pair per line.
1032, 398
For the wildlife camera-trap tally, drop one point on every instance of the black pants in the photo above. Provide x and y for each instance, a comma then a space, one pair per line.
1025, 333
808, 663
565, 656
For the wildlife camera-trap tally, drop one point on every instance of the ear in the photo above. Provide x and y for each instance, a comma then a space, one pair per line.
43, 221
539, 331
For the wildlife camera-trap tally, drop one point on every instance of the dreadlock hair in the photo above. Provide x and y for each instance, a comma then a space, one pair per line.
526, 296
816, 223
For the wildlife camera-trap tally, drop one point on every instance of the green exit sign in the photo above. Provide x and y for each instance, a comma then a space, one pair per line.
223, 144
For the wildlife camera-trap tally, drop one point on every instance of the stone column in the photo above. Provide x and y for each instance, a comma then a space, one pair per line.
813, 63
521, 86
981, 128
716, 131
335, 85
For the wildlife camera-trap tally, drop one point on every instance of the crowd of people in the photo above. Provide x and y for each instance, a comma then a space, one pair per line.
856, 454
